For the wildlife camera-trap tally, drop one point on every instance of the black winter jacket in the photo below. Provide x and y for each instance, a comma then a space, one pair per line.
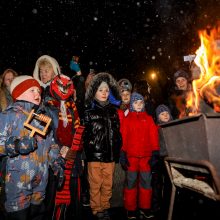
102, 137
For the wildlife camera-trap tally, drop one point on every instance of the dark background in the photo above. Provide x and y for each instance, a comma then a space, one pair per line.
128, 38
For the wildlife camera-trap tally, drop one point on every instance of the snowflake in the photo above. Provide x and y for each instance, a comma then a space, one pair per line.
90, 63
34, 11
153, 57
66, 33
95, 19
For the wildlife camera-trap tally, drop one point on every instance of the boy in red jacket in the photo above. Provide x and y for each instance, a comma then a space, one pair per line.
140, 150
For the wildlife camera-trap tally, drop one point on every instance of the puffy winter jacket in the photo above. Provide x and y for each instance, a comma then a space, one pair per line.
102, 137
140, 135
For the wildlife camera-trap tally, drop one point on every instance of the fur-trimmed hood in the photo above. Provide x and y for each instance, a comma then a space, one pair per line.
95, 83
54, 63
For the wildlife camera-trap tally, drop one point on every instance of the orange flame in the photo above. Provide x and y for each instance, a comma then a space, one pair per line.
207, 58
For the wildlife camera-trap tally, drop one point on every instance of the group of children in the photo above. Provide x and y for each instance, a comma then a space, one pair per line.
37, 168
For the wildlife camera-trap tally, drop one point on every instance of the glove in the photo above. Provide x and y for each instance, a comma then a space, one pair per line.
154, 159
123, 160
23, 145
60, 178
77, 167
71, 155
113, 100
74, 66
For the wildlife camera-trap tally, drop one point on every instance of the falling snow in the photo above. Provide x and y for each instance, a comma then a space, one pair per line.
122, 36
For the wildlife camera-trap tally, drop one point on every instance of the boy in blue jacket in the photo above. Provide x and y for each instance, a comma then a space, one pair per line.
26, 157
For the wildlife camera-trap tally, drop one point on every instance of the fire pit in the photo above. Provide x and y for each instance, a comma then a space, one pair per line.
194, 138
193, 147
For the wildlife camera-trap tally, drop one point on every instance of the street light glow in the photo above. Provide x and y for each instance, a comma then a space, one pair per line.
153, 75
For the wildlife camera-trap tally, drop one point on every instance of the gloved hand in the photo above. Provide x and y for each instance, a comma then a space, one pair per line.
74, 66
123, 160
57, 165
154, 159
20, 145
71, 155
77, 167
60, 178
113, 100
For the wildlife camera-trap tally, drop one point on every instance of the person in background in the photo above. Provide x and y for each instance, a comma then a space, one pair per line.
163, 115
102, 141
177, 101
116, 201
46, 68
89, 77
5, 82
125, 92
139, 153
79, 83
26, 156
142, 87
210, 91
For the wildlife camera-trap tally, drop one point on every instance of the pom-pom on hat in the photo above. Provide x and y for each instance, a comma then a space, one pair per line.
134, 97
22, 83
180, 73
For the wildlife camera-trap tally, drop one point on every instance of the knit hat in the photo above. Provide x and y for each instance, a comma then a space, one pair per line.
180, 73
134, 97
125, 85
162, 108
22, 83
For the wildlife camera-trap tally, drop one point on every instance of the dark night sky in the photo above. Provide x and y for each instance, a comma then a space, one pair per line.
128, 38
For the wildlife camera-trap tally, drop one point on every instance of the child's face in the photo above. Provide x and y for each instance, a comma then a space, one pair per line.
102, 93
125, 97
138, 105
46, 73
181, 83
164, 116
32, 95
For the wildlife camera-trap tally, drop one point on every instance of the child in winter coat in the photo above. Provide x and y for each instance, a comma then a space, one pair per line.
102, 141
125, 92
26, 157
139, 151
163, 115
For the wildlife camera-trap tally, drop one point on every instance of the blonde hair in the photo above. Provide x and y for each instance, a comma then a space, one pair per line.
45, 62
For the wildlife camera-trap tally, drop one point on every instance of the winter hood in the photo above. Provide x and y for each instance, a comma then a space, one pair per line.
54, 63
95, 83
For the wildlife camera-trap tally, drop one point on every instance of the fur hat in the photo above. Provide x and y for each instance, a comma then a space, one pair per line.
125, 85
180, 73
95, 83
52, 61
134, 97
22, 83
162, 108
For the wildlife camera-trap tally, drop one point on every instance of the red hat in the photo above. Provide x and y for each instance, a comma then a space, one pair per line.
22, 83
